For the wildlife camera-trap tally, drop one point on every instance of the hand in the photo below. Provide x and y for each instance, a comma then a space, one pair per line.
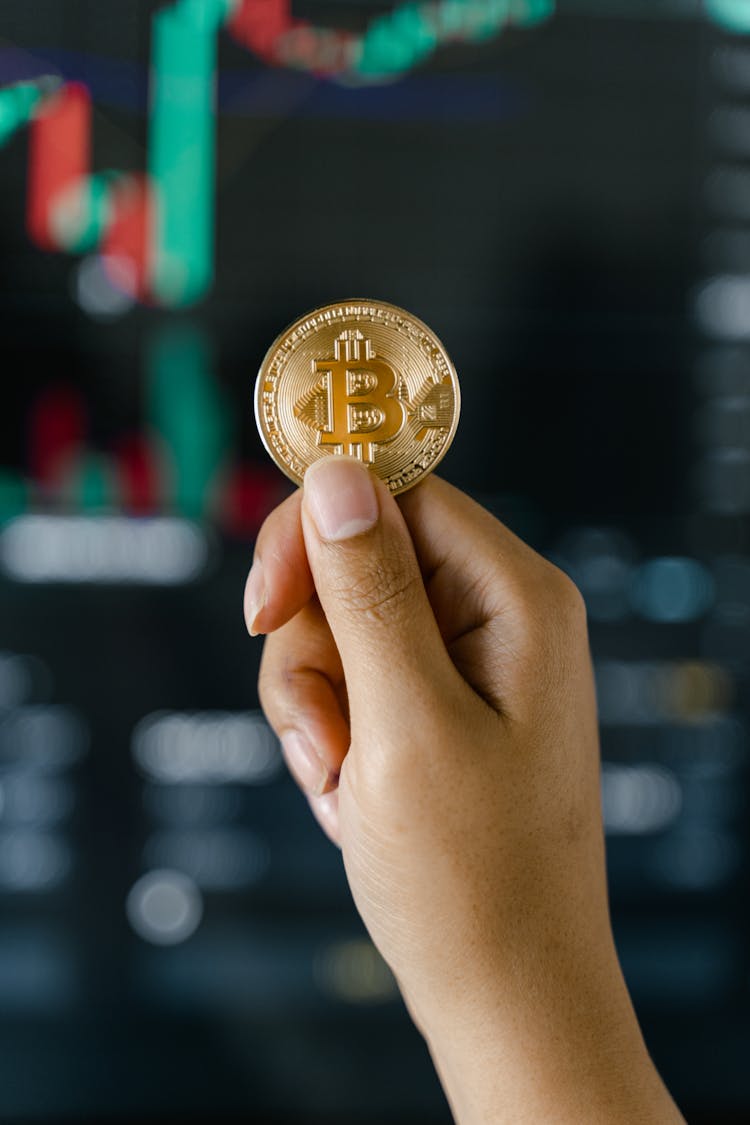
429, 677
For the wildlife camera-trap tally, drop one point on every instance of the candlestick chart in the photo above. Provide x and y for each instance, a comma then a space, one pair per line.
183, 458
155, 229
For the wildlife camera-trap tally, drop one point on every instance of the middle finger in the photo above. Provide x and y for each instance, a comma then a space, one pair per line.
303, 695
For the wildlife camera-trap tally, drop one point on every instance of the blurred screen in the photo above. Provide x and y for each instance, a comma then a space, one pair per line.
562, 192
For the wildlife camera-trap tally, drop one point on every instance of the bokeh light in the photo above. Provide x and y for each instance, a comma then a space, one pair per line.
164, 907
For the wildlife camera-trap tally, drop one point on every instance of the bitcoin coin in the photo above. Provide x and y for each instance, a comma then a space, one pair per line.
360, 377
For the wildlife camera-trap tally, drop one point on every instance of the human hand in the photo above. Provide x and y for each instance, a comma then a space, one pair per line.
429, 677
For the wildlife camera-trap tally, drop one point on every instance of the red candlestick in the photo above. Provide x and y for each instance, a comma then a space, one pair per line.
59, 157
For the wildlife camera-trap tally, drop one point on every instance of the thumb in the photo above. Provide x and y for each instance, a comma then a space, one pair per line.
370, 587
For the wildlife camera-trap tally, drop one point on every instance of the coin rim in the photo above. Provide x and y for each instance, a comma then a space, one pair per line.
333, 305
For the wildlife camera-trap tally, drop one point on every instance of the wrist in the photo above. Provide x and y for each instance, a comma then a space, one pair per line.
556, 1052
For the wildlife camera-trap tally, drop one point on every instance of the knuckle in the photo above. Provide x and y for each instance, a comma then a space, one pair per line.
269, 685
279, 679
548, 594
379, 589
266, 693
567, 598
552, 613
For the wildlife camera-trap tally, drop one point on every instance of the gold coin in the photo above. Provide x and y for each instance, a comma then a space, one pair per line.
360, 377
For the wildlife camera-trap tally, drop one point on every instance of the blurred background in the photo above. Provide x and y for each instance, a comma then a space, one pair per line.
562, 192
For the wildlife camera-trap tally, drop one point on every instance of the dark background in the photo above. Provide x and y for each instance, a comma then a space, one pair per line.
564, 207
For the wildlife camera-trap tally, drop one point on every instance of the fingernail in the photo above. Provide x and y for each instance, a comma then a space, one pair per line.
255, 596
340, 497
308, 767
327, 812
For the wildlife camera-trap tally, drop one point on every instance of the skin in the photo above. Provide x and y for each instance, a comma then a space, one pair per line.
439, 671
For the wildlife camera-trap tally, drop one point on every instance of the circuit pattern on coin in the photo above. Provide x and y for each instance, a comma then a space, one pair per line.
360, 377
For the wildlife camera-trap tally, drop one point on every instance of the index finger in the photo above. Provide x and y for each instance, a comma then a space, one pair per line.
279, 583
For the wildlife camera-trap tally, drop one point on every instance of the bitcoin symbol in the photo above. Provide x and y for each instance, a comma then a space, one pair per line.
359, 402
